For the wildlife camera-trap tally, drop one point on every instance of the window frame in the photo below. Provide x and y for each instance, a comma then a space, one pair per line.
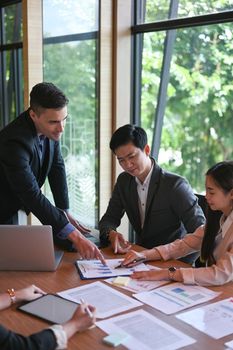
169, 25
15, 49
78, 37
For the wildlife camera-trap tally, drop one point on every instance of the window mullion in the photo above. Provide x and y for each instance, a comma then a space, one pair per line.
164, 80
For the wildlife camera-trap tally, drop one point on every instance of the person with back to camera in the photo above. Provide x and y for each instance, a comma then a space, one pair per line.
30, 153
161, 206
52, 338
214, 243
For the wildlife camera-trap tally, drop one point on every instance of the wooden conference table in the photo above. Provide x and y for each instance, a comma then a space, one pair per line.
67, 277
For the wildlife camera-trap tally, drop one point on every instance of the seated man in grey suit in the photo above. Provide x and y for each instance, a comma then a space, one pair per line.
161, 206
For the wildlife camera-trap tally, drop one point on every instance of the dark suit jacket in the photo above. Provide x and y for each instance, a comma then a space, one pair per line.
171, 209
44, 340
22, 174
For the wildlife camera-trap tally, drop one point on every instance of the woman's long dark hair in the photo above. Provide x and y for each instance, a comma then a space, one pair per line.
222, 174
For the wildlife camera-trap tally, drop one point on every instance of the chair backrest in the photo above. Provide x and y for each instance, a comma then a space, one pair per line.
204, 206
202, 202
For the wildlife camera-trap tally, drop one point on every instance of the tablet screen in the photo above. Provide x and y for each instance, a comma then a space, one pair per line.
51, 308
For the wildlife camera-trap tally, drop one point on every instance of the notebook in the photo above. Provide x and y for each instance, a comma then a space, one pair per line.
28, 248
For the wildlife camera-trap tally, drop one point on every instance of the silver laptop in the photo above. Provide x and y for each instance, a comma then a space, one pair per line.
28, 248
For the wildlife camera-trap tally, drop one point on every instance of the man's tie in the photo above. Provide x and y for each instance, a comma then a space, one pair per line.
41, 146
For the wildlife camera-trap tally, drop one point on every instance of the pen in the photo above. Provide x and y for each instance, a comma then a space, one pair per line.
87, 310
132, 263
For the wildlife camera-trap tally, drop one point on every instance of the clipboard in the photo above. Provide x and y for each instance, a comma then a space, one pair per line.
87, 271
50, 307
93, 268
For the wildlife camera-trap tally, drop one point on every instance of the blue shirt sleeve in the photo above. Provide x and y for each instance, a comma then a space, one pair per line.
63, 234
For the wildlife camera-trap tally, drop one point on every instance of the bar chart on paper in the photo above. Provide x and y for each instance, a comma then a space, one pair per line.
175, 297
95, 269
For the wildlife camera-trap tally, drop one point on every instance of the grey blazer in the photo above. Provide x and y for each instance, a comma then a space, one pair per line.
171, 210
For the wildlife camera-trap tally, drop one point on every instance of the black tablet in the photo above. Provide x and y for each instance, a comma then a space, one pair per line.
50, 307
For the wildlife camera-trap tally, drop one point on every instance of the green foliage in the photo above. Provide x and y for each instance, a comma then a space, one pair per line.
198, 121
12, 22
159, 10
72, 67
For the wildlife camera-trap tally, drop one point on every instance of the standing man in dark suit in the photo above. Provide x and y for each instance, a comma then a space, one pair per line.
161, 206
30, 152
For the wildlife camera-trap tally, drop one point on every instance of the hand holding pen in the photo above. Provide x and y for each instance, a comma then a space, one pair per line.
132, 263
133, 258
86, 308
81, 320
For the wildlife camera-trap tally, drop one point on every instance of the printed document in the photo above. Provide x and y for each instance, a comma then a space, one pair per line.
175, 297
215, 319
95, 269
137, 286
229, 344
107, 300
145, 332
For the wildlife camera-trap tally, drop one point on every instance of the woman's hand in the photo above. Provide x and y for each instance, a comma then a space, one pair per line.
147, 254
157, 275
29, 293
80, 321
82, 318
131, 256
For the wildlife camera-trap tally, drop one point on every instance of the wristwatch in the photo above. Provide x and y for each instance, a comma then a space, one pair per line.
171, 272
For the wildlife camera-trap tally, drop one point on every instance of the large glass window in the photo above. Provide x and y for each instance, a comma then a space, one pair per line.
186, 89
70, 62
152, 10
11, 82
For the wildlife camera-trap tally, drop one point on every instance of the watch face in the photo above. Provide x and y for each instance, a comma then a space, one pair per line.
171, 272
172, 269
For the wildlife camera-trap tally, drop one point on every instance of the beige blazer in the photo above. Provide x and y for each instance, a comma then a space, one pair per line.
219, 273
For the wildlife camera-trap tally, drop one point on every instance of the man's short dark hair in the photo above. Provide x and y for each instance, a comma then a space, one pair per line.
126, 134
47, 95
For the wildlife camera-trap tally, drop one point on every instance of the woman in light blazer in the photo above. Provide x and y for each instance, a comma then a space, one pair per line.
214, 243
